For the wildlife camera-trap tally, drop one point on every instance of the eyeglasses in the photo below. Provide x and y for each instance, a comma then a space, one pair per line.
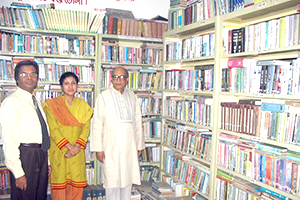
32, 75
122, 77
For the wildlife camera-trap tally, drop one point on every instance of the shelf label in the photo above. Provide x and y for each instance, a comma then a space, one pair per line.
252, 181
257, 139
258, 95
264, 50
47, 87
203, 22
261, 5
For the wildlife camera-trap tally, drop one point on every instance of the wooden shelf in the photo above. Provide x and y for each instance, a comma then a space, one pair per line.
187, 154
47, 55
261, 140
130, 38
44, 32
187, 123
259, 96
257, 183
280, 53
191, 29
190, 60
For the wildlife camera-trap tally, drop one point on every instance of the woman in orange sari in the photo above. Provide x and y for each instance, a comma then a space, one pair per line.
68, 118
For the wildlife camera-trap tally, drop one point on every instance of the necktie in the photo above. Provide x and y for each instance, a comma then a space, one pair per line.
45, 140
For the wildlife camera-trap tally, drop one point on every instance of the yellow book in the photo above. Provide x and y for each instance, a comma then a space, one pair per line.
46, 19
29, 19
89, 21
66, 20
282, 32
51, 18
54, 16
129, 80
59, 20
62, 20
73, 20
238, 161
68, 16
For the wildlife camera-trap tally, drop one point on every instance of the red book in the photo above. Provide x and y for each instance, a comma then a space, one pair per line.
110, 25
229, 42
235, 63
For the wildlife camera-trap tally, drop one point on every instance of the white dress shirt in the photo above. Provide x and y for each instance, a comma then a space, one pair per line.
20, 124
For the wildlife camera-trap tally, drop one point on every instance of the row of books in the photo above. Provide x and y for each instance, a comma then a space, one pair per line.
270, 76
87, 96
132, 27
187, 170
44, 92
139, 78
272, 165
5, 178
89, 154
198, 79
150, 104
47, 44
94, 192
151, 153
152, 53
113, 52
50, 19
162, 190
188, 140
196, 110
261, 37
50, 69
263, 119
192, 47
230, 187
149, 173
90, 172
184, 15
181, 14
181, 191
151, 127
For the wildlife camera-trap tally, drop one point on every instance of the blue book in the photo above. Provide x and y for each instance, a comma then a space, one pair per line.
87, 193
273, 107
36, 23
20, 5
275, 194
97, 191
109, 53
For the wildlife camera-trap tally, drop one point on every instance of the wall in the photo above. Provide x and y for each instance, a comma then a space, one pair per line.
146, 9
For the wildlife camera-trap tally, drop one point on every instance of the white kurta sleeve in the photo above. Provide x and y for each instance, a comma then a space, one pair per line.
138, 126
97, 126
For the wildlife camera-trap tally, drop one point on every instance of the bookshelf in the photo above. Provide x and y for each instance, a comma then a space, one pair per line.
55, 52
188, 111
245, 139
142, 57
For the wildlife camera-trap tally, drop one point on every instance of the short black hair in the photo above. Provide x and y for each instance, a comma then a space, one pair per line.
66, 75
23, 63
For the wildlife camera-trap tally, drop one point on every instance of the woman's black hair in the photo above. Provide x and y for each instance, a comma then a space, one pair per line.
66, 75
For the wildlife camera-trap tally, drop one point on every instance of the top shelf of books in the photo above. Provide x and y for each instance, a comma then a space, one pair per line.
44, 31
265, 10
18, 16
132, 38
204, 25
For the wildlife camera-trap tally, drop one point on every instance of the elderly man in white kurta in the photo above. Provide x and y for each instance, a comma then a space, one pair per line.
117, 137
